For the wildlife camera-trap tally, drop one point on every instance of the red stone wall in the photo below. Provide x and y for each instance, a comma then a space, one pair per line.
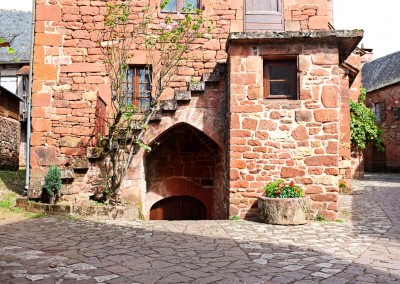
391, 97
308, 15
291, 139
69, 76
9, 143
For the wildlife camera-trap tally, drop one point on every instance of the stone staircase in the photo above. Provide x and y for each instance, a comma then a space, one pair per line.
82, 163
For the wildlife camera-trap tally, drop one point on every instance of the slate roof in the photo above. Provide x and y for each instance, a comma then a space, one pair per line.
382, 72
15, 28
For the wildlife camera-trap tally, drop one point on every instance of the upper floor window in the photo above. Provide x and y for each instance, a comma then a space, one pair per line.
379, 111
280, 79
263, 15
136, 87
175, 6
396, 112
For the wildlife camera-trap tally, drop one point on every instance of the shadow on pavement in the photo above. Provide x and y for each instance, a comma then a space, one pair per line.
50, 249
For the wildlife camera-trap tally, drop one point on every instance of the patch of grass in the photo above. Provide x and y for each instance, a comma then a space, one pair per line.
73, 218
35, 215
339, 221
8, 201
320, 218
345, 213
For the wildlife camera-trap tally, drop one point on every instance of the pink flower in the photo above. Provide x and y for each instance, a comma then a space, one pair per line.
180, 15
169, 27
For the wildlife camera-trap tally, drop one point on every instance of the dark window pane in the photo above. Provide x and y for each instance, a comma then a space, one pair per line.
280, 88
171, 6
280, 72
396, 112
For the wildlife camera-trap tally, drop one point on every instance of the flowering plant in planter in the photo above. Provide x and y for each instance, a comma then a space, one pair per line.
280, 189
342, 184
284, 204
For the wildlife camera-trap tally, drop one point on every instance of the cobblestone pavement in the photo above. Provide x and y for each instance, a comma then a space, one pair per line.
365, 248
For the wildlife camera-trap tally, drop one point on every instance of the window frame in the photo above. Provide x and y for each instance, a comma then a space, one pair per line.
292, 62
180, 4
135, 97
396, 113
379, 109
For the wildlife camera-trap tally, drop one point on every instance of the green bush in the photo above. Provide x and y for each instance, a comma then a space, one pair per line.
52, 182
279, 189
363, 126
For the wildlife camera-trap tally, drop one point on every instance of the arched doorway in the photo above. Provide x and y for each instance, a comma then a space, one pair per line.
184, 171
178, 208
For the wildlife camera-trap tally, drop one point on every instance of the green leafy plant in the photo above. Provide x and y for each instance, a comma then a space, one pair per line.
52, 182
8, 201
343, 184
363, 126
320, 218
280, 189
234, 218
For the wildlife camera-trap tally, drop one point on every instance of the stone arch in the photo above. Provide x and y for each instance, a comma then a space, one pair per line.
199, 119
185, 162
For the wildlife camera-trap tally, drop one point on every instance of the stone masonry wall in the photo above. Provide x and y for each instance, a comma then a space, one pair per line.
308, 15
9, 143
290, 139
68, 77
391, 97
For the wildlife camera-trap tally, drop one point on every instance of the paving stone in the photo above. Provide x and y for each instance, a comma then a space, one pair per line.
363, 249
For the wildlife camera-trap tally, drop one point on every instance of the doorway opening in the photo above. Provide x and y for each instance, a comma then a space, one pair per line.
178, 208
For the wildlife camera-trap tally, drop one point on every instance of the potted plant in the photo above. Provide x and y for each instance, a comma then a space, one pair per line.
52, 184
284, 204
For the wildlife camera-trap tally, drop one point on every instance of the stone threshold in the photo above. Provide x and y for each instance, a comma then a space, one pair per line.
105, 212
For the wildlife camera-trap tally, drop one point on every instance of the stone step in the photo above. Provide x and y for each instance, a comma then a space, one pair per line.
168, 105
181, 95
157, 116
80, 163
67, 173
212, 77
197, 86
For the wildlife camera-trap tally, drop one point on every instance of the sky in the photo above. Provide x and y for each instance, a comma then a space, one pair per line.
380, 22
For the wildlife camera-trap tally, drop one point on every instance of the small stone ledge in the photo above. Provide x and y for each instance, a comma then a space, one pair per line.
98, 212
347, 40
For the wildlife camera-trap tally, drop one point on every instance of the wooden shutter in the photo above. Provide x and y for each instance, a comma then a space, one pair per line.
264, 15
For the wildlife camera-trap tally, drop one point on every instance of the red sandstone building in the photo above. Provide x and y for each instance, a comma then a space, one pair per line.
274, 105
381, 79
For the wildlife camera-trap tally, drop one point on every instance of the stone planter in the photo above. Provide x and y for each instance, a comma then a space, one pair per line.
284, 211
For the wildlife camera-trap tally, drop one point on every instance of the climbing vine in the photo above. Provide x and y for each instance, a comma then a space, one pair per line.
363, 126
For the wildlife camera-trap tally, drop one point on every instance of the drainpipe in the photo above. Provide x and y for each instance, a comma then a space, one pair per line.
28, 103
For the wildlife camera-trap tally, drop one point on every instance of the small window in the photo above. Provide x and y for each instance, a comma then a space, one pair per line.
379, 111
136, 88
280, 79
175, 6
396, 113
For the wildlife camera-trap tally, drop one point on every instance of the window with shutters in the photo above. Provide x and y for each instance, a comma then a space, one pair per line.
280, 79
396, 113
379, 111
136, 87
175, 6
264, 15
